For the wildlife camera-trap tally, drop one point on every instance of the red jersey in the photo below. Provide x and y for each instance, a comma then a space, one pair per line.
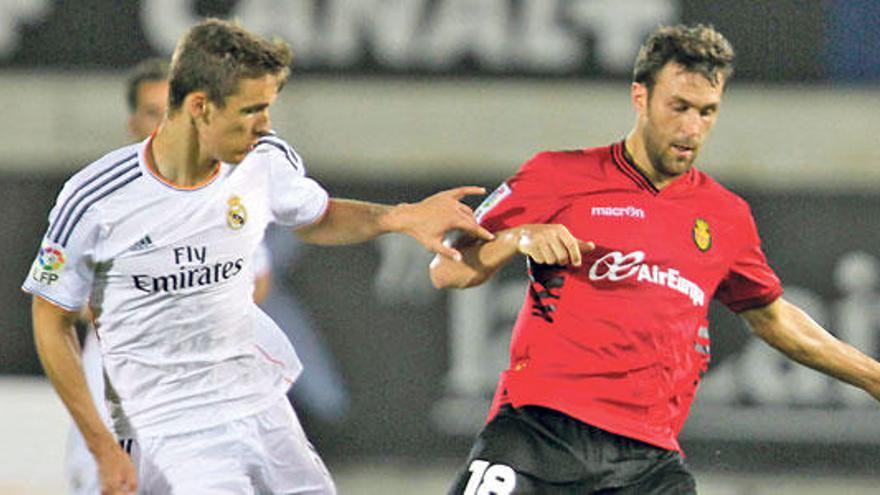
621, 341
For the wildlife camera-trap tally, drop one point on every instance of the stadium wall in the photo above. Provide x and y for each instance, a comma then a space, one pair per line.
784, 136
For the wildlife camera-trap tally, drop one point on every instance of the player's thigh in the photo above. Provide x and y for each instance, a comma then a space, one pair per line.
206, 462
505, 460
286, 461
672, 478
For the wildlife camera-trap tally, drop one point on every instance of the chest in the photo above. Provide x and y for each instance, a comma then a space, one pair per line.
168, 229
687, 235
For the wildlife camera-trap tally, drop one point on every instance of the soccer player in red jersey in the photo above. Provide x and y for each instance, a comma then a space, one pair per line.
625, 246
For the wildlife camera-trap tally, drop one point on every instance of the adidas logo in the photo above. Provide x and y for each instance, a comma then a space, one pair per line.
142, 244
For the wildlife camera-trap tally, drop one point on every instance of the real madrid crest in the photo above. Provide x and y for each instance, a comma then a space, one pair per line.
702, 235
236, 215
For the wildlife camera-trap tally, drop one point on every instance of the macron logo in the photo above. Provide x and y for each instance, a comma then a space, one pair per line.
618, 211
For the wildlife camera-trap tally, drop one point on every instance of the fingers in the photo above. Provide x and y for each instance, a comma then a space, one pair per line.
586, 246
460, 192
558, 252
445, 250
472, 227
553, 245
464, 210
573, 251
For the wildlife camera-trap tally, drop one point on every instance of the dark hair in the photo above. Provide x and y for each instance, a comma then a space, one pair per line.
151, 69
215, 55
698, 48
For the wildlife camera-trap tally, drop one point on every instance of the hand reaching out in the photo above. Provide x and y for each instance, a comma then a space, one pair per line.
428, 220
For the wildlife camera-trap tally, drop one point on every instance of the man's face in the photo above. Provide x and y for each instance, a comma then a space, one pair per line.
231, 132
676, 117
152, 102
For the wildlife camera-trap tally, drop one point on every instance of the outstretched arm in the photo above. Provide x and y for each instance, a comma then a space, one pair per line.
349, 221
59, 352
790, 330
550, 244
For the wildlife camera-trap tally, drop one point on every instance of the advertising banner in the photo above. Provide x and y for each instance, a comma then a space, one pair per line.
776, 40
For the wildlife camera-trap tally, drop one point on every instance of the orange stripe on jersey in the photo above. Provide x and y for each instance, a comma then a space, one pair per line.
154, 170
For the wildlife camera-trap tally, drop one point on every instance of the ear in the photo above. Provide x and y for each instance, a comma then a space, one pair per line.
196, 105
639, 97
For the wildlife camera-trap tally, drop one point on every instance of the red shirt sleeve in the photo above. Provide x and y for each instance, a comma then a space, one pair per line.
750, 282
527, 197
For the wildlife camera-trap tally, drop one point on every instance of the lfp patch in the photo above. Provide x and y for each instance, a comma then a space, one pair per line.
491, 201
51, 258
48, 265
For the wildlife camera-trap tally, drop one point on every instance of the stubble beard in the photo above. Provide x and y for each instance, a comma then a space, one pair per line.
661, 156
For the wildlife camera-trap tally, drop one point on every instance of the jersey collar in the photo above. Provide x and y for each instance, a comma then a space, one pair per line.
624, 162
146, 159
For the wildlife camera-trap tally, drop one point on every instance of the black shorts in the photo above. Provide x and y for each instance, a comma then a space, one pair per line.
537, 450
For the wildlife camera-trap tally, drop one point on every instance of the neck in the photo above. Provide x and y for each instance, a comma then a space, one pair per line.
176, 155
635, 146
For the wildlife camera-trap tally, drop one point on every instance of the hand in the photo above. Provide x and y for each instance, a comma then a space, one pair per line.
551, 244
428, 220
116, 471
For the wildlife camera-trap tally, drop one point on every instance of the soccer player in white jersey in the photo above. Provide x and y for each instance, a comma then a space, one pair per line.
159, 238
147, 102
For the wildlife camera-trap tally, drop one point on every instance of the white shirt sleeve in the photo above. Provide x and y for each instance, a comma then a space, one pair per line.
63, 270
295, 200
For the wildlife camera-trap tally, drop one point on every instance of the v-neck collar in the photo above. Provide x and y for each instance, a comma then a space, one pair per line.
624, 162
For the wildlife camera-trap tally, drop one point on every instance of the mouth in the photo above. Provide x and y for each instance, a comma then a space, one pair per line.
683, 150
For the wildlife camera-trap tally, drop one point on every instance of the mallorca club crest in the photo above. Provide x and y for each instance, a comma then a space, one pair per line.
702, 235
236, 215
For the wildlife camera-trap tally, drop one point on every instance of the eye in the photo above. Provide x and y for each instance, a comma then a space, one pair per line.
708, 112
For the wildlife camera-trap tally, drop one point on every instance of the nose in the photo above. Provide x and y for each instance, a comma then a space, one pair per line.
263, 124
692, 124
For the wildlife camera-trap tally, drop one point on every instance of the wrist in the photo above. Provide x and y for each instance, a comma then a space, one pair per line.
103, 445
513, 238
393, 218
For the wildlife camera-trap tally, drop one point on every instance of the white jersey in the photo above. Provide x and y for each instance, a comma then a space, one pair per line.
168, 273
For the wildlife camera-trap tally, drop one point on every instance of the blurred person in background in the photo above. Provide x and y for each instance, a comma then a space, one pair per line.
158, 238
625, 245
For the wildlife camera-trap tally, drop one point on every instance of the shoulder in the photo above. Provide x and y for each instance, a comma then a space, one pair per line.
101, 178
84, 190
121, 163
277, 149
568, 166
717, 193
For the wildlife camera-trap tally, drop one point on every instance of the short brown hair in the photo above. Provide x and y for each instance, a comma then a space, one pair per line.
215, 55
698, 48
151, 69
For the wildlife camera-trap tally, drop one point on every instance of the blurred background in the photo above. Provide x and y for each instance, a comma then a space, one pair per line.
390, 100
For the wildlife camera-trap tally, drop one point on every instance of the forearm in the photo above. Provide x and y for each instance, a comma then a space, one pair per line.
58, 350
795, 334
350, 221
480, 260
